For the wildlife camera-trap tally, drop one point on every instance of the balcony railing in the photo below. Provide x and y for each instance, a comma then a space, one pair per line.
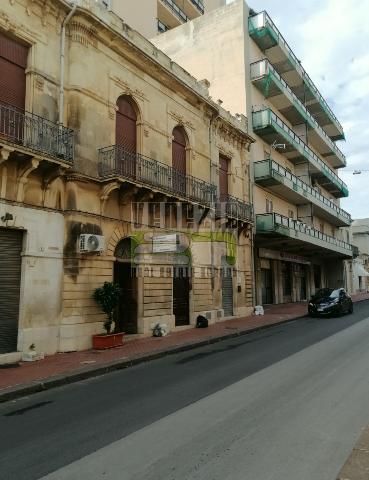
263, 68
36, 134
162, 27
178, 12
199, 5
232, 207
115, 161
266, 117
274, 222
261, 21
265, 168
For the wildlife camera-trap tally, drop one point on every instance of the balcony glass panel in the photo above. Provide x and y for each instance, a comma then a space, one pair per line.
265, 33
274, 222
267, 168
265, 118
265, 71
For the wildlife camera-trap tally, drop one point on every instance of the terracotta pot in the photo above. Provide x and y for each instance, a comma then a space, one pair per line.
103, 341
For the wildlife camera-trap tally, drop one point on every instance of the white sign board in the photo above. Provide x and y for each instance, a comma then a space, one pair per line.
165, 243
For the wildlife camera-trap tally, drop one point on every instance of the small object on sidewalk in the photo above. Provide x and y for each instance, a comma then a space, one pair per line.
32, 355
259, 310
202, 322
160, 330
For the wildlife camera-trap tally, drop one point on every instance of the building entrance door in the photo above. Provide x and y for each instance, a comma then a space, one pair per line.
125, 276
266, 286
181, 296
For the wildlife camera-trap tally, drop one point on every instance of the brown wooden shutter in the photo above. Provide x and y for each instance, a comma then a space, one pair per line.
179, 161
126, 125
13, 62
223, 176
10, 276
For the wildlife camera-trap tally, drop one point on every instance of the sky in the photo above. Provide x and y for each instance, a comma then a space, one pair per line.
331, 38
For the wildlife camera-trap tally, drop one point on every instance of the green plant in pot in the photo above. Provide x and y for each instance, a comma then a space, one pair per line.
108, 297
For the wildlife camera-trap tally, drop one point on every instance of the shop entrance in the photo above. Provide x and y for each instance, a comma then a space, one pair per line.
266, 286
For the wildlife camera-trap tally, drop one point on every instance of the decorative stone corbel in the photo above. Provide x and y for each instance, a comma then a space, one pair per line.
4, 154
23, 177
105, 194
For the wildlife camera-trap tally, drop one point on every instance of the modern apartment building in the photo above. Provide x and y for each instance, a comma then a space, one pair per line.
110, 170
252, 70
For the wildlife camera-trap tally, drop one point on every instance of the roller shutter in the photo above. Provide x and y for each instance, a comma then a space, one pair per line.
227, 292
10, 277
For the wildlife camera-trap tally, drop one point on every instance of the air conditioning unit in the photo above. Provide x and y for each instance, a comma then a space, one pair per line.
90, 243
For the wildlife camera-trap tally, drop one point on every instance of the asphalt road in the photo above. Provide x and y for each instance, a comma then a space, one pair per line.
286, 403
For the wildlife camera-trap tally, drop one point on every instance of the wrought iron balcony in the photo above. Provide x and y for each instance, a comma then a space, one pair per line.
272, 129
269, 39
116, 162
297, 236
268, 81
274, 177
35, 134
178, 12
232, 207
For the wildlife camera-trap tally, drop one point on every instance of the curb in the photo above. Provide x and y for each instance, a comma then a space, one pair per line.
13, 393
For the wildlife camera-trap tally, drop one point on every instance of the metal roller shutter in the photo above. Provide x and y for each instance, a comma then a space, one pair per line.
227, 292
10, 276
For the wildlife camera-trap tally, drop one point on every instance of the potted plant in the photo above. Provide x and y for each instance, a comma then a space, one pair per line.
108, 297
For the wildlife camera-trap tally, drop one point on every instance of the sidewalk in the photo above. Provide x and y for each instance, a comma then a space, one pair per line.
65, 368
357, 465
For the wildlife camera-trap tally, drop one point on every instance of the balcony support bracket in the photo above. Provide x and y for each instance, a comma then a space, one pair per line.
23, 177
105, 194
4, 154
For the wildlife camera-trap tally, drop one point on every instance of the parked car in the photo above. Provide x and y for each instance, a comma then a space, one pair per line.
329, 301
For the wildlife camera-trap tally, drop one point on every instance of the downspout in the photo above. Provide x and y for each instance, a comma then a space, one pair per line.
62, 57
212, 120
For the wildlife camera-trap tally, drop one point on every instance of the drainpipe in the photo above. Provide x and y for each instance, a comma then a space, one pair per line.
212, 120
62, 55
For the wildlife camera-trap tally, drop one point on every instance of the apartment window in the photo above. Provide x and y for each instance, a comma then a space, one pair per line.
291, 214
269, 206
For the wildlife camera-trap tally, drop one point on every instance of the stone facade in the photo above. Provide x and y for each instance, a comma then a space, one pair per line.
54, 199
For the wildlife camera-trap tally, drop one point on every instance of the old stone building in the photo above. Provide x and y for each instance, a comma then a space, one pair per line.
115, 164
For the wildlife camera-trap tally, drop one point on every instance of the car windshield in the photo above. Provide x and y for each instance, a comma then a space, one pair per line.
323, 293
335, 294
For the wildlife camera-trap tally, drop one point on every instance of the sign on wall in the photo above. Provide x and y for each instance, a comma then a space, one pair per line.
285, 256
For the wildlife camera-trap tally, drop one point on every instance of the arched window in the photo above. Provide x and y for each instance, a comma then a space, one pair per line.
126, 124
179, 159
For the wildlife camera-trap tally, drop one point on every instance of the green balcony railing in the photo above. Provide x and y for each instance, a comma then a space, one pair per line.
274, 222
263, 29
270, 169
266, 117
264, 70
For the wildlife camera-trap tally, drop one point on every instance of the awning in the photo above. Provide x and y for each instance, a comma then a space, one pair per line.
360, 271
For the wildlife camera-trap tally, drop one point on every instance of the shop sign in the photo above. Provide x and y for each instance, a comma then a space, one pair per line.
284, 256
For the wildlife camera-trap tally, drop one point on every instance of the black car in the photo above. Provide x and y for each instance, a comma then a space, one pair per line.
329, 301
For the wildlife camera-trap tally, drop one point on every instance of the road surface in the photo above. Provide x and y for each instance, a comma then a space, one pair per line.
286, 403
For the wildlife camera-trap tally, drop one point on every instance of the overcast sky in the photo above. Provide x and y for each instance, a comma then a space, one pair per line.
331, 38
